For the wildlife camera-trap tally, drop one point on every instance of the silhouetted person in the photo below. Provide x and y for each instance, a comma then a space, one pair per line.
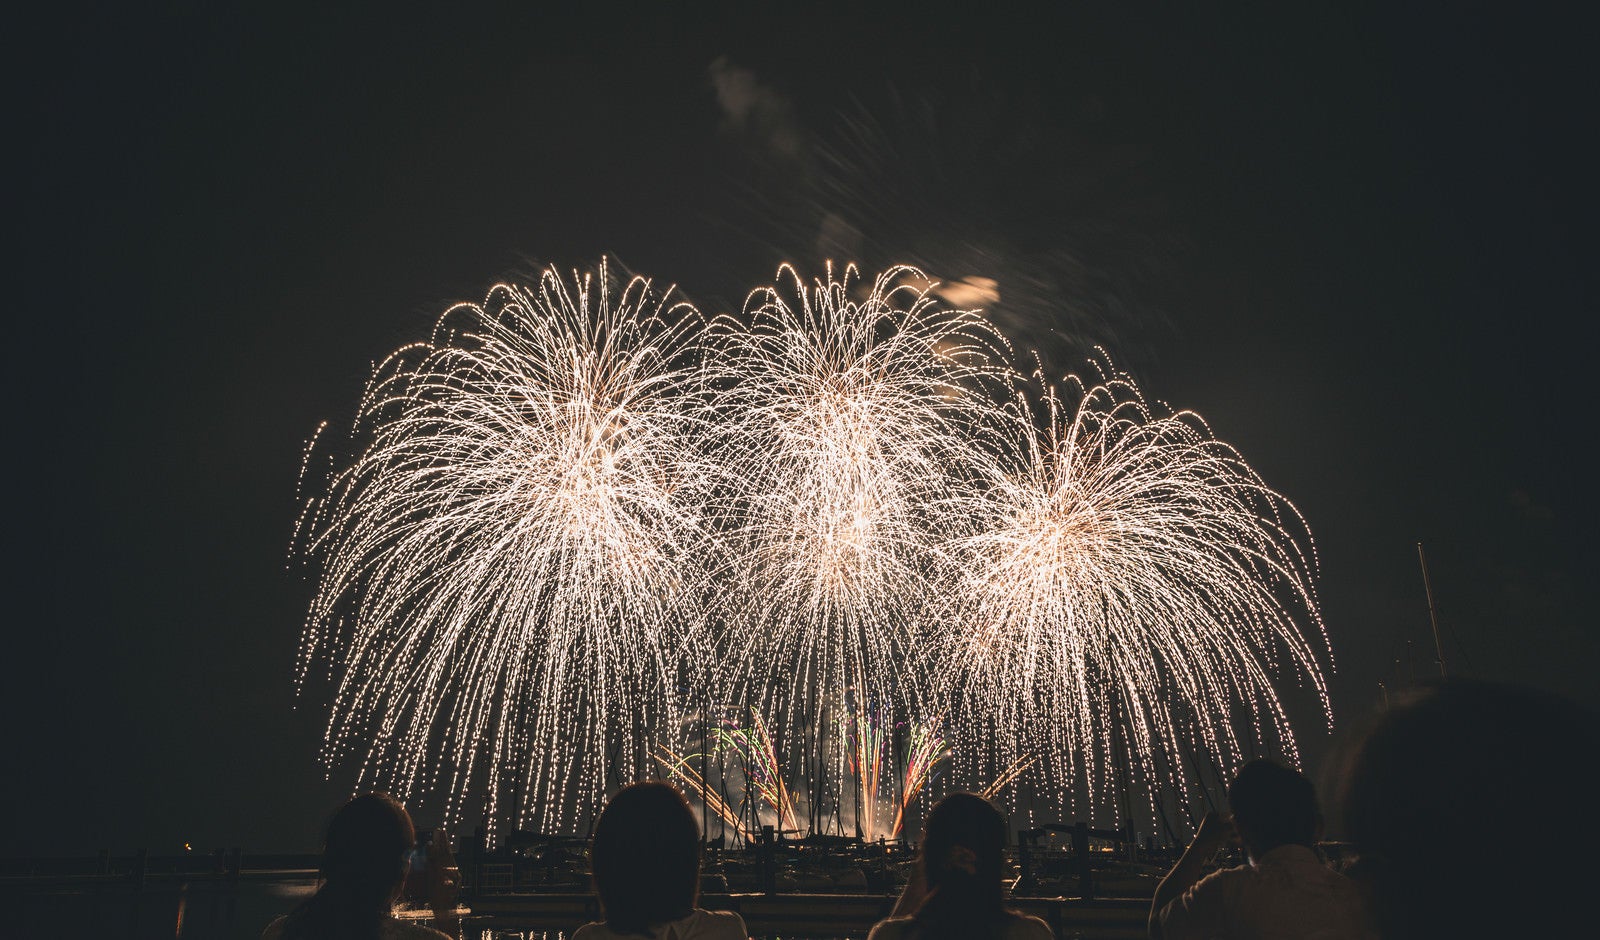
363, 868
646, 862
1470, 805
1284, 892
957, 889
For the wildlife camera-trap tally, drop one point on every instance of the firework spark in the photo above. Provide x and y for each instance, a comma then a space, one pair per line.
761, 766
681, 767
925, 751
871, 752
510, 563
1135, 578
852, 413
1008, 776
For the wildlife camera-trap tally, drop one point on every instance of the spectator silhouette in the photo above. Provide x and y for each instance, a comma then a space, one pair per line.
364, 862
957, 889
1284, 892
646, 862
1464, 802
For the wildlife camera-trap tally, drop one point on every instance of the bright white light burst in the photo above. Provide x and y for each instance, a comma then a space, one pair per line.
581, 519
1135, 587
510, 569
852, 410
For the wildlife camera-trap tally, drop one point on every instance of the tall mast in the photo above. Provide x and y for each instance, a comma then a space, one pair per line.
1433, 615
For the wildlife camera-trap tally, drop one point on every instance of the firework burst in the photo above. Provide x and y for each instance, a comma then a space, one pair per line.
1135, 588
509, 565
853, 411
579, 507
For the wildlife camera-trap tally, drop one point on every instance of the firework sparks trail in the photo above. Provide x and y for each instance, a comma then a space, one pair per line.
1134, 570
853, 412
872, 767
926, 750
871, 745
508, 566
760, 764
682, 768
871, 750
1008, 776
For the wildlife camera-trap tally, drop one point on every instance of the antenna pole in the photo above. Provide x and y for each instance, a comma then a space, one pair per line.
1433, 615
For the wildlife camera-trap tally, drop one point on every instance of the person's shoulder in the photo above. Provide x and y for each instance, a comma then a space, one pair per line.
1222, 878
892, 928
404, 930
1293, 855
1231, 872
1027, 927
715, 925
1303, 863
595, 930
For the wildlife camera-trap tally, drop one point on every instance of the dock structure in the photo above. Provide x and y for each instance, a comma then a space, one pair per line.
817, 915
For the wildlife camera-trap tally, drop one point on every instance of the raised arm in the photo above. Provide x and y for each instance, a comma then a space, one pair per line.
1215, 830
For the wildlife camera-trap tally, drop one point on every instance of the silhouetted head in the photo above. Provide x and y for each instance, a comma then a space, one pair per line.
366, 845
363, 868
1466, 802
646, 858
962, 857
1272, 806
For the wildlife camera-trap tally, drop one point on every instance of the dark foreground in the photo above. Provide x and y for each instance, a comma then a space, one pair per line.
215, 907
239, 912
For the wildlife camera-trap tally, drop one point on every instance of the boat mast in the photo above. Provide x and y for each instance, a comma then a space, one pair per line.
1433, 616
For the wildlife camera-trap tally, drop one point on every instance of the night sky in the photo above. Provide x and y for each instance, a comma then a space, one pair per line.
1356, 242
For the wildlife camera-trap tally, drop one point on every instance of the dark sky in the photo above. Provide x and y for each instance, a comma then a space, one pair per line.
1356, 241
